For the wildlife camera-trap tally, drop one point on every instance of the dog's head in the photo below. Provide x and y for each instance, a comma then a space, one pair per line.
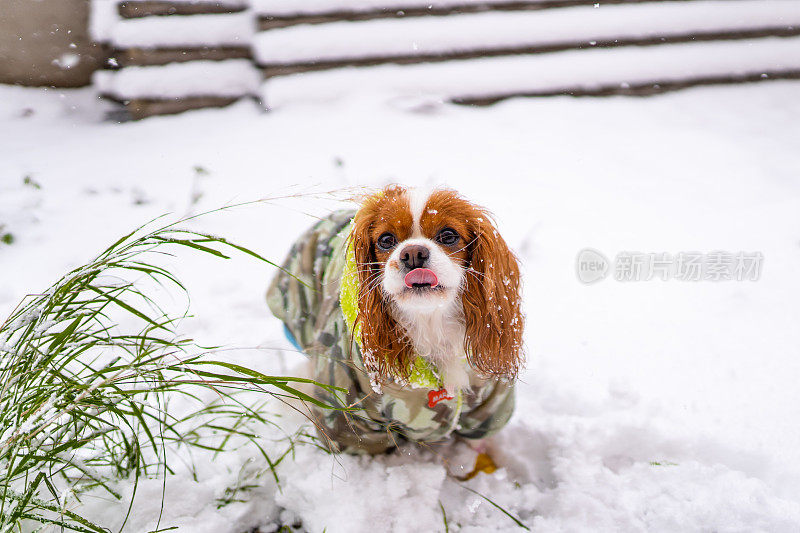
421, 254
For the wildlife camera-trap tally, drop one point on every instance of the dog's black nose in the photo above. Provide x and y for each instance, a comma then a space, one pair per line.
414, 256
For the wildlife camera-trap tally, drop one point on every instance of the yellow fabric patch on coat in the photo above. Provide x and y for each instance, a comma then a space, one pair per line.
348, 292
422, 375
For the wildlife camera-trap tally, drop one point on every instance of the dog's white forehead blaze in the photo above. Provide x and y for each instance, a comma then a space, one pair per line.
417, 200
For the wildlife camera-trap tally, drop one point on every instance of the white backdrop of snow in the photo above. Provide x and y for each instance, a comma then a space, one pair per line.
700, 378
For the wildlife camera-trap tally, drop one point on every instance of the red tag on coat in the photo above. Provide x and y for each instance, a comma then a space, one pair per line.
436, 396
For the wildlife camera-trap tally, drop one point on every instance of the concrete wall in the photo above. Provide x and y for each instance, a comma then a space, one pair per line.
46, 42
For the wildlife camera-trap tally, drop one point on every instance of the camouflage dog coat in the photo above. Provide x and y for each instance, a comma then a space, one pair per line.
318, 316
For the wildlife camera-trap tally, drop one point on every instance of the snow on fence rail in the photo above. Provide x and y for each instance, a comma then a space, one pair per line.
515, 32
594, 71
280, 13
234, 29
231, 79
318, 7
146, 8
457, 37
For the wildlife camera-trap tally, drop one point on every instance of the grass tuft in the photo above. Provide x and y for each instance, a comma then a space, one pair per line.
87, 371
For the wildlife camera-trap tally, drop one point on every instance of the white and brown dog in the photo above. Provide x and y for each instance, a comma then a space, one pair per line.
412, 304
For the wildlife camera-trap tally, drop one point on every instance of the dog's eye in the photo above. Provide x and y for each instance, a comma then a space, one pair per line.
387, 241
448, 236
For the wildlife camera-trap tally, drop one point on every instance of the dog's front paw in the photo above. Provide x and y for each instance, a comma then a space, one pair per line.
483, 463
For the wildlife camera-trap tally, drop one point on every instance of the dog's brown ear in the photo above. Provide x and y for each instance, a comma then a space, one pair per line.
384, 347
492, 304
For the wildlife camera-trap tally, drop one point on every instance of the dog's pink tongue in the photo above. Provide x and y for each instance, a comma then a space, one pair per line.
421, 276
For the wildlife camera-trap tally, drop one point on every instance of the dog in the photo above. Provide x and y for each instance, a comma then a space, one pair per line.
410, 308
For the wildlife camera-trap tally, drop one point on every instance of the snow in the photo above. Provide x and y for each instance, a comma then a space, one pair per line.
233, 3
546, 72
229, 29
649, 406
314, 7
232, 77
103, 16
107, 26
500, 30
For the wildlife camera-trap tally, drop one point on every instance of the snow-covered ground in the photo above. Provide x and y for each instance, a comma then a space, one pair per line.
646, 406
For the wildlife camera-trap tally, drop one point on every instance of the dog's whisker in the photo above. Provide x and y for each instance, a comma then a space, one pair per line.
370, 287
463, 247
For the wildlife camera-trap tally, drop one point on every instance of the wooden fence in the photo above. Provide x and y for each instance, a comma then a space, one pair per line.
448, 48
